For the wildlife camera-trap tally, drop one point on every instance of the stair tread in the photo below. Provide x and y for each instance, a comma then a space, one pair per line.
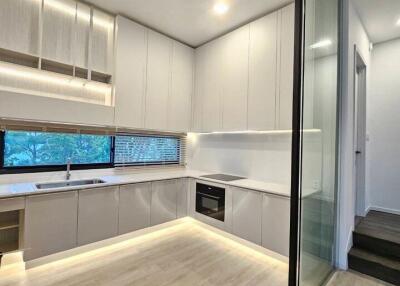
372, 257
380, 225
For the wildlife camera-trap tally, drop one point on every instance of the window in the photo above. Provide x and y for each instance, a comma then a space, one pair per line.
26, 151
147, 150
29, 149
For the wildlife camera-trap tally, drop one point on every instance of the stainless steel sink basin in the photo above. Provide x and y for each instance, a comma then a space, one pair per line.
63, 184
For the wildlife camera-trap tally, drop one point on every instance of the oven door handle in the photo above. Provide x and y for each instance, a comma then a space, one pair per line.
207, 195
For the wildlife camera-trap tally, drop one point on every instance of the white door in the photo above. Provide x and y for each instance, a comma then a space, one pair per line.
360, 110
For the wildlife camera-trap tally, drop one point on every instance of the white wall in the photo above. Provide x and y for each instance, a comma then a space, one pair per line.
265, 157
383, 125
354, 34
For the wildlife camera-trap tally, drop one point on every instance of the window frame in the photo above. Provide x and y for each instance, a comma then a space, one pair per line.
111, 165
50, 168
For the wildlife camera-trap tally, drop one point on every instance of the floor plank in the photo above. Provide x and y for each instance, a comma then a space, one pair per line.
186, 254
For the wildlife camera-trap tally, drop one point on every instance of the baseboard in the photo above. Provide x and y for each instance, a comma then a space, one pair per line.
386, 210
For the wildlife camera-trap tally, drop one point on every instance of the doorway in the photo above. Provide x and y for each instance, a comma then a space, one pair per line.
360, 133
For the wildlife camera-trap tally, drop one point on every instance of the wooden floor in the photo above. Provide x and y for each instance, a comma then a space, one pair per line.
347, 278
186, 254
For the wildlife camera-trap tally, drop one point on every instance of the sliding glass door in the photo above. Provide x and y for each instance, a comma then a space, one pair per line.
314, 158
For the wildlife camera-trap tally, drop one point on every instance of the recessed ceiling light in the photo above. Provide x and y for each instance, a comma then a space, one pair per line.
221, 8
321, 44
398, 22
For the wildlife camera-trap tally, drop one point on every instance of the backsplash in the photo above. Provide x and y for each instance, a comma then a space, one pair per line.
258, 156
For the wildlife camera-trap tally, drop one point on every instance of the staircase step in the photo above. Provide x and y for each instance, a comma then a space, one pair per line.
380, 233
380, 267
376, 245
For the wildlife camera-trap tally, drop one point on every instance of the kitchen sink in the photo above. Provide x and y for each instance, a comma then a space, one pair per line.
63, 184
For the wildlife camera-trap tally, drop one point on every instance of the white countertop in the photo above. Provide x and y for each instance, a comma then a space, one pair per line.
23, 189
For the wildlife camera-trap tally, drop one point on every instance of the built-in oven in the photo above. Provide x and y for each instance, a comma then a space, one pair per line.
210, 201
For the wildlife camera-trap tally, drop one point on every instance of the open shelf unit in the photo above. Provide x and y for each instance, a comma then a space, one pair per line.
10, 231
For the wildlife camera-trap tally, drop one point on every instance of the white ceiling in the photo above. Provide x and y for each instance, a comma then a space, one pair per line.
379, 18
190, 21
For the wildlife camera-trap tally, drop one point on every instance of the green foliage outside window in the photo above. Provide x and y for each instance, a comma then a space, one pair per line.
23, 148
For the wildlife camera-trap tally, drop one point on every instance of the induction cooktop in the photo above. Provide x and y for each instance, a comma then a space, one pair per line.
223, 177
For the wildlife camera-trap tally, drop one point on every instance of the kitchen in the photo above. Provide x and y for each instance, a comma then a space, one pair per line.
116, 130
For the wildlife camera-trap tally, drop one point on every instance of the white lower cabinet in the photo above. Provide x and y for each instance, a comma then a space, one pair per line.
247, 213
50, 224
276, 223
163, 201
134, 207
98, 214
182, 198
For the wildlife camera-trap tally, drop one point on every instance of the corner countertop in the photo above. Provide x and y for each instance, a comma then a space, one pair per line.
24, 189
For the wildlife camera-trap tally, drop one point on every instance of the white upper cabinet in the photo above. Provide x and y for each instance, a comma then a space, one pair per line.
244, 80
102, 43
180, 99
286, 68
158, 81
234, 66
58, 30
209, 88
263, 73
130, 74
19, 22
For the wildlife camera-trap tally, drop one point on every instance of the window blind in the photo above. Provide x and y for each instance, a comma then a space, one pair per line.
142, 150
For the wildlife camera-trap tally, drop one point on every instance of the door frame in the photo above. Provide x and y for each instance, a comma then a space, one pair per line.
297, 136
360, 134
296, 156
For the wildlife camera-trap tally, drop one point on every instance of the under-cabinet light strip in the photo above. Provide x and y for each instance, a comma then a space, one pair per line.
255, 132
52, 79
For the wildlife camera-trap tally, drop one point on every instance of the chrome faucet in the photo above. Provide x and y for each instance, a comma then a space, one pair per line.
68, 175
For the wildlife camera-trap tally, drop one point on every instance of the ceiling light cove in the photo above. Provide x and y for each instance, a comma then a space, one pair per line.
321, 44
221, 8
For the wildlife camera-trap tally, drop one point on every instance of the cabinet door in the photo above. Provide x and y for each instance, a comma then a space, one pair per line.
102, 39
130, 74
50, 224
179, 104
182, 197
210, 88
19, 22
200, 55
58, 30
247, 213
235, 74
275, 224
263, 73
134, 207
163, 201
98, 214
286, 68
158, 80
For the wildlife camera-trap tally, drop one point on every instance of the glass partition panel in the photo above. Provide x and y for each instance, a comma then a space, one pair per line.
318, 148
